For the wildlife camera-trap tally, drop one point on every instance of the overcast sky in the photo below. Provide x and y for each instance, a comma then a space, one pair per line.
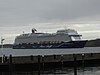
17, 16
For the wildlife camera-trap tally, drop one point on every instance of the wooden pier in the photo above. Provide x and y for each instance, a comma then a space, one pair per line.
39, 63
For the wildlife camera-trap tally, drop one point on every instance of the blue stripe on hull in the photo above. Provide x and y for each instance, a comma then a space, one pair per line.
71, 44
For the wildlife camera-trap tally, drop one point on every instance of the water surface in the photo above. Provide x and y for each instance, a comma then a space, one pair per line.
25, 52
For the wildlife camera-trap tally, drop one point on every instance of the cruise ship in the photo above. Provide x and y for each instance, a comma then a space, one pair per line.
65, 38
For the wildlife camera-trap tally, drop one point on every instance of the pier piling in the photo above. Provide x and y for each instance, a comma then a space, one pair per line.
39, 64
10, 65
75, 64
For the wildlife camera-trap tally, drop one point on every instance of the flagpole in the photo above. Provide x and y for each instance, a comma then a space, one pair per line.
2, 46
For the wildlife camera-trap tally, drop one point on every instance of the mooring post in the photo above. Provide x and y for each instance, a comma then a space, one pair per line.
10, 59
31, 57
10, 65
75, 64
39, 64
83, 60
3, 58
61, 58
83, 64
43, 64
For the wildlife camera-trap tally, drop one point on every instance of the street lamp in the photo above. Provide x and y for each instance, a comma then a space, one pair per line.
2, 47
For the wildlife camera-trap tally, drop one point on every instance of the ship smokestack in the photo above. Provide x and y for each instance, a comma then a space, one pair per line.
34, 30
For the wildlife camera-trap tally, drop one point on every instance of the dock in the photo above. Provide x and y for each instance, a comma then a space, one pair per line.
46, 62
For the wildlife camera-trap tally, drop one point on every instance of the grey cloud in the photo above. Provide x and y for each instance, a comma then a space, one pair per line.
20, 12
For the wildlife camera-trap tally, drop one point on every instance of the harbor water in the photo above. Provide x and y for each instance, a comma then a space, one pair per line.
27, 52
95, 70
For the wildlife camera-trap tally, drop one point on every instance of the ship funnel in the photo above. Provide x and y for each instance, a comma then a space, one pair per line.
34, 30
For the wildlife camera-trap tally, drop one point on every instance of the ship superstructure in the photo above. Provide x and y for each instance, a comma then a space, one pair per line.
67, 38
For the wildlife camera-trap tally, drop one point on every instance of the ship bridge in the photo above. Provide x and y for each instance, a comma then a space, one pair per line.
67, 31
71, 33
